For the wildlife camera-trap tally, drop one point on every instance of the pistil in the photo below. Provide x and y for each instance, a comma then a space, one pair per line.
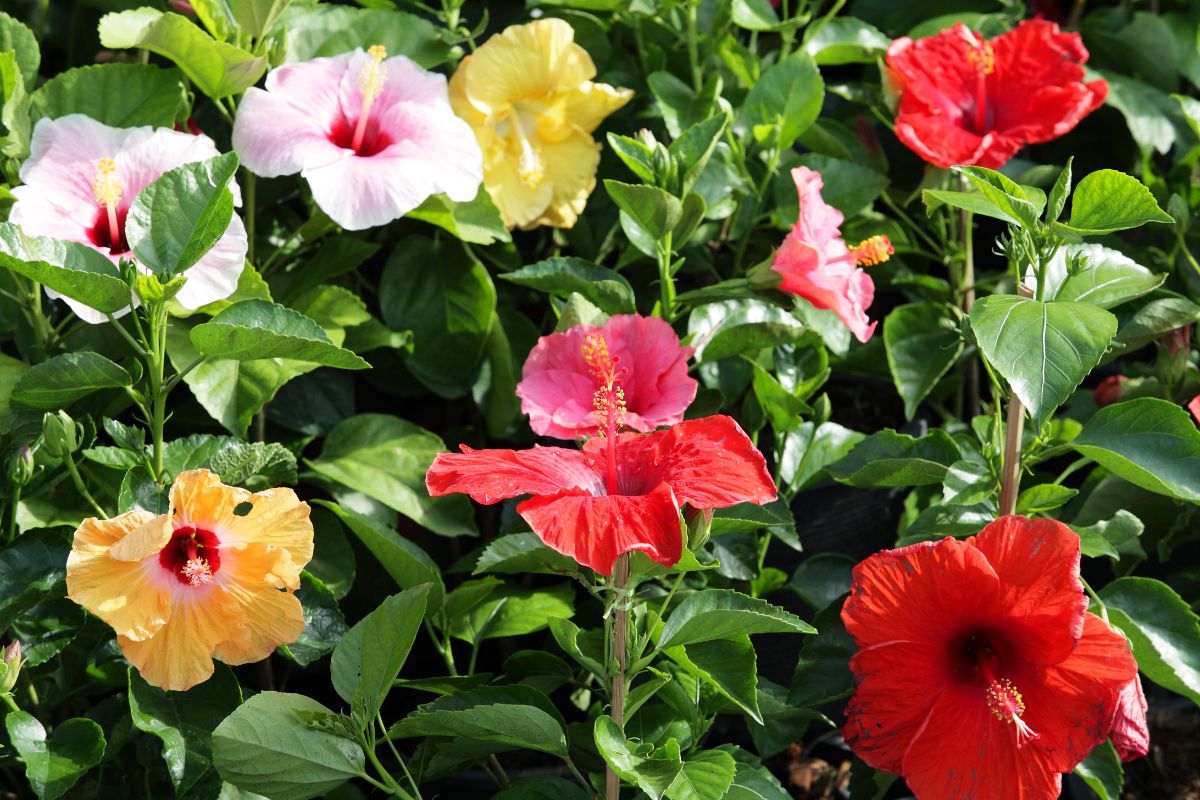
370, 81
107, 189
1007, 705
609, 399
867, 253
529, 169
982, 59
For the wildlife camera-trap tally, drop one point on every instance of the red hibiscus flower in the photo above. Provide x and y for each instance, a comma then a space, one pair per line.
1109, 390
622, 491
1129, 733
980, 672
965, 100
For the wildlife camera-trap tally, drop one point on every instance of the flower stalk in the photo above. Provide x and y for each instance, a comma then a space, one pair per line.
620, 647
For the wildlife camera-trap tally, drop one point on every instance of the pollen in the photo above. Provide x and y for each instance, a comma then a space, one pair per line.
198, 572
373, 76
1007, 705
530, 171
982, 58
106, 186
609, 399
875, 250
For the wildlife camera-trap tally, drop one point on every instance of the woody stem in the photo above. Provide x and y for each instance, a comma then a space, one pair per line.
619, 648
966, 292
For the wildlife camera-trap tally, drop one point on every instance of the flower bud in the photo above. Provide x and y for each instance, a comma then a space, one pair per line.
60, 433
10, 668
1109, 391
20, 466
699, 525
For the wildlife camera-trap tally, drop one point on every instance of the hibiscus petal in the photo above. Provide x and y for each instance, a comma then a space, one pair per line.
570, 167
179, 656
65, 152
1129, 734
200, 500
489, 476
277, 519
1037, 561
596, 530
249, 577
215, 276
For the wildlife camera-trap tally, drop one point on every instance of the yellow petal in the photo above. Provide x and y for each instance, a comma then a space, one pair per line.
147, 540
519, 203
132, 597
199, 499
571, 169
535, 60
276, 518
249, 578
581, 109
179, 656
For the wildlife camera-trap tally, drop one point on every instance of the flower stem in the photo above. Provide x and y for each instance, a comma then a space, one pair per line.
1010, 475
965, 291
8, 701
77, 479
12, 517
396, 755
665, 280
693, 45
619, 645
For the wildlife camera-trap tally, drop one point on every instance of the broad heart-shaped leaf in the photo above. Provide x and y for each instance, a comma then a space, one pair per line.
1043, 350
33, 567
382, 640
706, 775
21, 41
1164, 632
54, 763
729, 664
477, 221
1108, 200
975, 202
922, 344
1148, 442
888, 458
119, 95
407, 563
648, 213
723, 613
273, 745
1020, 203
521, 553
845, 40
785, 101
822, 672
1109, 279
652, 769
69, 268
504, 610
254, 329
218, 69
185, 722
257, 17
387, 458
449, 311
1102, 772
315, 31
178, 217
516, 716
61, 380
562, 275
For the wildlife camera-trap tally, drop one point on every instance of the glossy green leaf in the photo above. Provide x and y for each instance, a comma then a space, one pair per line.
522, 553
729, 664
119, 95
648, 213
69, 268
18, 38
822, 672
46, 629
1014, 200
1164, 632
785, 101
34, 567
922, 344
1109, 279
888, 458
1108, 200
324, 624
329, 30
257, 329
61, 380
845, 40
515, 716
477, 221
652, 769
822, 578
722, 613
561, 275
54, 762
1043, 497
706, 775
1102, 772
508, 611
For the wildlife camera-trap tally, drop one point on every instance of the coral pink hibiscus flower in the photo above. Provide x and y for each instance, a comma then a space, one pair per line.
965, 100
81, 178
980, 672
817, 265
557, 382
1194, 407
623, 491
373, 136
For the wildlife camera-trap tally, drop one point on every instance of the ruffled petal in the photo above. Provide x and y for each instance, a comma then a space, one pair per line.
128, 595
179, 655
277, 519
1037, 561
65, 152
582, 108
145, 160
570, 167
251, 577
533, 60
596, 530
489, 476
200, 500
520, 204
145, 541
1129, 734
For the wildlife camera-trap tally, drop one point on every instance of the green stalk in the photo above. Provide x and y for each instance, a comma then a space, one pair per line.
80, 487
620, 643
665, 280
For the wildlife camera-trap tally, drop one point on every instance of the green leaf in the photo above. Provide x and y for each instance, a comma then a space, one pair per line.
848, 186
723, 613
324, 625
507, 611
1043, 497
254, 465
653, 770
1012, 199
403, 560
694, 147
845, 40
218, 69
1058, 195
681, 107
1102, 771
175, 220
1108, 200
140, 490
313, 32
974, 202
1043, 350
734, 327
522, 553
46, 629
567, 635
822, 578
375, 650
888, 458
184, 721
754, 15
476, 221
269, 746
785, 101
33, 567
62, 380
1109, 279
333, 561
635, 155
648, 213
257, 17
1148, 442
386, 458
69, 268
728, 664
822, 672
448, 309
1164, 632
562, 275
514, 716
706, 775
119, 95
256, 329
811, 448
543, 787
16, 37
54, 763
922, 344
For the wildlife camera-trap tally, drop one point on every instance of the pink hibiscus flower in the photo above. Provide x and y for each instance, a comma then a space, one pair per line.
1194, 407
558, 381
817, 265
373, 136
81, 178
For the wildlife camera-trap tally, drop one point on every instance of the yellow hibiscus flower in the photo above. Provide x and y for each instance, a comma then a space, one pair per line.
198, 582
529, 96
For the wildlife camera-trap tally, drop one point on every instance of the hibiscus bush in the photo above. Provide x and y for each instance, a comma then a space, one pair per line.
669, 399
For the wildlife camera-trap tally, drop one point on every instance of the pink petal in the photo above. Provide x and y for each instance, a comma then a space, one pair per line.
839, 287
359, 193
818, 224
489, 476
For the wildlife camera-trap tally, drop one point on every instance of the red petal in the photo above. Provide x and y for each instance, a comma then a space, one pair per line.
1037, 562
1072, 705
1129, 733
595, 530
962, 751
926, 592
1194, 407
489, 476
708, 463
898, 683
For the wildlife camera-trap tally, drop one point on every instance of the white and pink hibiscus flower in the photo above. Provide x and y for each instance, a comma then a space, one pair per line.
816, 263
80, 180
373, 136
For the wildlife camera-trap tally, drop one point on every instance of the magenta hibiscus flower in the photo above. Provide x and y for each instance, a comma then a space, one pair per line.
373, 136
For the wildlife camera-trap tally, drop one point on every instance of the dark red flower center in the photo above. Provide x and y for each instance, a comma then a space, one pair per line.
100, 234
982, 656
374, 140
193, 556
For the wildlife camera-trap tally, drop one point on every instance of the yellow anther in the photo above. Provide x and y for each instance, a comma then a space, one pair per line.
197, 571
874, 250
373, 76
982, 58
609, 399
106, 186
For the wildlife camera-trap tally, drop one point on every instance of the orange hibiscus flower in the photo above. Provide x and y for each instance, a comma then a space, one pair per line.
198, 582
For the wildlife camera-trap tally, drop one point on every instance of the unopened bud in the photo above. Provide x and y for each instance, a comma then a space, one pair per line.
699, 525
10, 669
20, 466
60, 433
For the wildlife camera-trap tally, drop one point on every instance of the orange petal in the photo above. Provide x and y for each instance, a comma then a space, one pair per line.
199, 499
179, 656
276, 518
147, 540
250, 578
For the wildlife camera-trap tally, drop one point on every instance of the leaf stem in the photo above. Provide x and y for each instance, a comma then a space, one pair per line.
396, 755
77, 479
12, 517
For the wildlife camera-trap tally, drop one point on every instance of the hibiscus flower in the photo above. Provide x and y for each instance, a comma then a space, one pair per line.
980, 672
623, 491
199, 582
529, 96
558, 383
817, 265
1109, 390
965, 100
1194, 407
373, 136
80, 180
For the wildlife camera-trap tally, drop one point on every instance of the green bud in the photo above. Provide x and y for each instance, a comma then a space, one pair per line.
699, 524
10, 667
21, 466
60, 433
